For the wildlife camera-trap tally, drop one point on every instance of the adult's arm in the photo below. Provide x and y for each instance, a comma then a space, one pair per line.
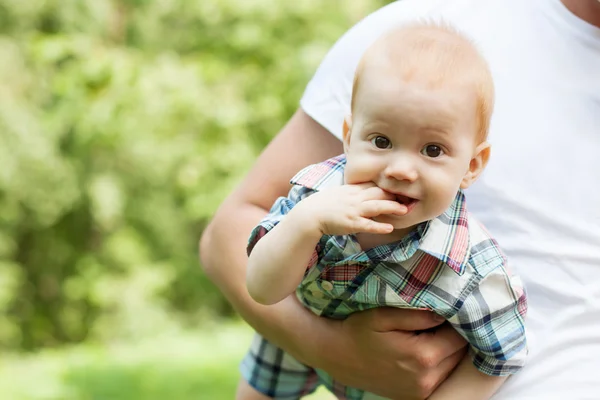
376, 350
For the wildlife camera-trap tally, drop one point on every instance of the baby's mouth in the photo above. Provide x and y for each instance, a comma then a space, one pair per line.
405, 200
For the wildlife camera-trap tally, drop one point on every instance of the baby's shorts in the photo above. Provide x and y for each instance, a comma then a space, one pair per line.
278, 375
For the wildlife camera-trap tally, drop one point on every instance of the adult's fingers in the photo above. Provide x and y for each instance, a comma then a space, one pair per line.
384, 319
447, 365
438, 345
441, 372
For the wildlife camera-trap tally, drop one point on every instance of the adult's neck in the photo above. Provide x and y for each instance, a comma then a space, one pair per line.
587, 10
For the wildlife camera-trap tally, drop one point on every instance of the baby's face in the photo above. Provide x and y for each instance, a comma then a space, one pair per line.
412, 141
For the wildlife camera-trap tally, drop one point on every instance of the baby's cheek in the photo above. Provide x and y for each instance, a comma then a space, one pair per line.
357, 172
442, 195
350, 177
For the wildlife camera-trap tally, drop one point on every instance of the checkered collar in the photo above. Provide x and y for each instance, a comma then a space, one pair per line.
445, 237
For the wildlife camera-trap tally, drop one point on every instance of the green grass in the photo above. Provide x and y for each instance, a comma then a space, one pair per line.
174, 366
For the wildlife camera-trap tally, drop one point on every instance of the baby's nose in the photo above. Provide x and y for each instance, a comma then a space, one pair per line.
402, 169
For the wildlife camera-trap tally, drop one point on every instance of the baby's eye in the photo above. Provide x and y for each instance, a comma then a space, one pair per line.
432, 150
381, 142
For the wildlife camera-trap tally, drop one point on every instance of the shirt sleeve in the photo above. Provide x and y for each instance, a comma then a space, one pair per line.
491, 319
280, 209
327, 96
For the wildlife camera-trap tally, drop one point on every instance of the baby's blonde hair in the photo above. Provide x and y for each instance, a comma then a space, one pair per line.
435, 54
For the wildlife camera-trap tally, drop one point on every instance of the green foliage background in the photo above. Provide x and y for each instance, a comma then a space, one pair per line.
123, 124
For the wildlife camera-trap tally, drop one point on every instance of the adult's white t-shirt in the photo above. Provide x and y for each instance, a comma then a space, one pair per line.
540, 195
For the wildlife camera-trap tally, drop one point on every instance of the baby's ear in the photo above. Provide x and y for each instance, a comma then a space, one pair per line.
481, 156
346, 131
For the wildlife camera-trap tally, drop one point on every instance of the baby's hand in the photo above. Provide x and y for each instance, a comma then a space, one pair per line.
349, 208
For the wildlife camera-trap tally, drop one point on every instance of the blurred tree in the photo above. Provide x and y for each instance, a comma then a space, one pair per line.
123, 124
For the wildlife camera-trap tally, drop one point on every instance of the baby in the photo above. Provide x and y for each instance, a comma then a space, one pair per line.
386, 223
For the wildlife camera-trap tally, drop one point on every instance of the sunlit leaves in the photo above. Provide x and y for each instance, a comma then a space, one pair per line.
123, 124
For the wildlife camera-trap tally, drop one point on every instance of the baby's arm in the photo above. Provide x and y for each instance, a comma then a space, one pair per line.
468, 383
278, 261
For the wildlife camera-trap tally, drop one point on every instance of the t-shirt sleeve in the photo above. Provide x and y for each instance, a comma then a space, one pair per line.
280, 209
491, 319
327, 96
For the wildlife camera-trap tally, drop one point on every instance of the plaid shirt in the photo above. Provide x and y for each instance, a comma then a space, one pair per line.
450, 265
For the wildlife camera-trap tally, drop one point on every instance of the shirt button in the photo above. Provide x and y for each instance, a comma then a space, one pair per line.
326, 285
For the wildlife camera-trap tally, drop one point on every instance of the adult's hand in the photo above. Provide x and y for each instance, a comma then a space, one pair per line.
382, 351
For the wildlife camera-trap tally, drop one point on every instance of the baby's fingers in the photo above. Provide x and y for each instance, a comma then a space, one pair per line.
376, 193
373, 208
367, 225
